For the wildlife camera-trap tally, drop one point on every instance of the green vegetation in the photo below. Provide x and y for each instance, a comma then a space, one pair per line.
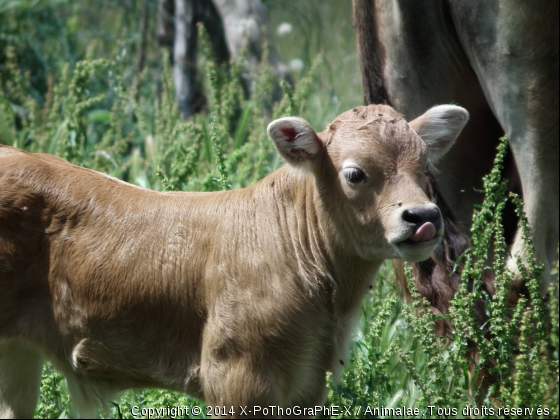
70, 88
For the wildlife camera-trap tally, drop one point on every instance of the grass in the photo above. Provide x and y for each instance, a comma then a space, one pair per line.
55, 97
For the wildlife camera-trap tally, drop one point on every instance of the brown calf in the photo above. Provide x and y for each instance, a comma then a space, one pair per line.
239, 298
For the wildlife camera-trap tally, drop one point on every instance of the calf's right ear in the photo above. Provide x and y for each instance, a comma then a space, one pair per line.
295, 140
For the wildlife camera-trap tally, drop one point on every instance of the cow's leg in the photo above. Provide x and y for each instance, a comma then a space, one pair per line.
239, 384
513, 46
20, 379
423, 64
311, 401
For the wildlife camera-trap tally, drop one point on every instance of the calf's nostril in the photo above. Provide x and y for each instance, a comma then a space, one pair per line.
432, 215
421, 216
411, 216
438, 220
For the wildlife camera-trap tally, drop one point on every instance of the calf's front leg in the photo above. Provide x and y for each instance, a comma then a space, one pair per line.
232, 388
20, 379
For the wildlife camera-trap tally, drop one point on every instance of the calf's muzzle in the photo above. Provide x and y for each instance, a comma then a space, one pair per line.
426, 223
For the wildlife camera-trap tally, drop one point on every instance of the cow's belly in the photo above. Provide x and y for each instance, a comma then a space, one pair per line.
136, 345
96, 369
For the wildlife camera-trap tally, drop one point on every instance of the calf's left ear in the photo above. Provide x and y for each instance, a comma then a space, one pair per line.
440, 127
295, 140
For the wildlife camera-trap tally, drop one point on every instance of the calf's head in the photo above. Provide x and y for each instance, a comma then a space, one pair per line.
370, 169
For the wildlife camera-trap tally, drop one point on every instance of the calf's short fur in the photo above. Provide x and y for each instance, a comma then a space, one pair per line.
239, 298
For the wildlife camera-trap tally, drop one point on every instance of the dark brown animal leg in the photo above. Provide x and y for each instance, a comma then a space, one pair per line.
513, 47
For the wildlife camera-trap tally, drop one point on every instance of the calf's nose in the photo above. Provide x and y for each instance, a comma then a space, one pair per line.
419, 217
426, 221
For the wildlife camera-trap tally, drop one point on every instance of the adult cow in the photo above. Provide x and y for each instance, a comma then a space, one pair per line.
241, 298
499, 59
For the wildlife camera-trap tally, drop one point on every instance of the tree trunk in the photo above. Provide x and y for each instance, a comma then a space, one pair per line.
187, 14
166, 23
247, 21
230, 25
184, 58
142, 44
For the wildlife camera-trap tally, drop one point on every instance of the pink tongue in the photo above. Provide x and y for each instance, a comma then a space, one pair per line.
426, 232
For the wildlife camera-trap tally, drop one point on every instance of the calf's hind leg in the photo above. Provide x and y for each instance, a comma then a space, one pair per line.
20, 379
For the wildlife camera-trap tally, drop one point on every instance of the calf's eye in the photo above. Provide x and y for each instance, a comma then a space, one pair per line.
355, 176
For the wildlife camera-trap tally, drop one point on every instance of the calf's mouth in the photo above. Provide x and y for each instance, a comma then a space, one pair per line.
424, 234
